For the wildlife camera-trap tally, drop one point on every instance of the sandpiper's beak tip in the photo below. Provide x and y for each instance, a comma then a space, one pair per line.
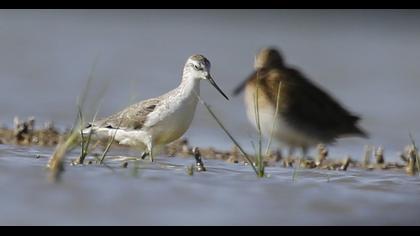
210, 79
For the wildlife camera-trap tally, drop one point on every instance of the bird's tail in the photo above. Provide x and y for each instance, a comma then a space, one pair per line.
360, 132
352, 129
88, 130
356, 131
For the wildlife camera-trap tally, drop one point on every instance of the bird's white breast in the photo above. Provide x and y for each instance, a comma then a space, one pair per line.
171, 119
281, 131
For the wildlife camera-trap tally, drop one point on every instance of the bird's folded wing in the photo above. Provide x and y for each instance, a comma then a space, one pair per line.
132, 117
313, 109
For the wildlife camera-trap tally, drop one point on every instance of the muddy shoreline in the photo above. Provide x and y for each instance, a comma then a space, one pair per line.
24, 133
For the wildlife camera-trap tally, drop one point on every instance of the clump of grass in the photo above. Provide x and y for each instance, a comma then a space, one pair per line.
84, 152
259, 166
274, 119
84, 142
416, 152
259, 156
110, 143
56, 162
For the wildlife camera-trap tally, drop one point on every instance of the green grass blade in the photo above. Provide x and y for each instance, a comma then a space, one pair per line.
274, 119
259, 156
227, 132
416, 152
110, 143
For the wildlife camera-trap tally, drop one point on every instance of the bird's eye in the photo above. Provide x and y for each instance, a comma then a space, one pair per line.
196, 67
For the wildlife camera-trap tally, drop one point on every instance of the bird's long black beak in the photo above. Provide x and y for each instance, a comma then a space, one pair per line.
210, 79
242, 85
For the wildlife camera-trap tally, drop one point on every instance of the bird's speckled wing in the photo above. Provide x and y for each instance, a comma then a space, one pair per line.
132, 117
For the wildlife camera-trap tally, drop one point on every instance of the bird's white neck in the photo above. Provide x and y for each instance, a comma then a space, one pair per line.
189, 86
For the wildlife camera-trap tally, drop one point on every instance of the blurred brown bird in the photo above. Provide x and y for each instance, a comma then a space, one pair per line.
306, 115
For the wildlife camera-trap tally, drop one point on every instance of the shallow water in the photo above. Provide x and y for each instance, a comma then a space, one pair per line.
163, 194
367, 59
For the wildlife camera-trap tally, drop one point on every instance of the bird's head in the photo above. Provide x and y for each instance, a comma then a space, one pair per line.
268, 58
198, 67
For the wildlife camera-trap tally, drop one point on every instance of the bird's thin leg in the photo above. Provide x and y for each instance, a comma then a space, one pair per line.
144, 155
149, 144
150, 147
151, 154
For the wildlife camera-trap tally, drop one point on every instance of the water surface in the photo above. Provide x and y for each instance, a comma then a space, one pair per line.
163, 194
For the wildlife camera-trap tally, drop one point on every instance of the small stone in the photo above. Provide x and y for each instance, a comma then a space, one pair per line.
346, 163
199, 166
124, 164
232, 159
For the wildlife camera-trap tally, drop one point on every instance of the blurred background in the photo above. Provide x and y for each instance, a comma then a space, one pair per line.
367, 59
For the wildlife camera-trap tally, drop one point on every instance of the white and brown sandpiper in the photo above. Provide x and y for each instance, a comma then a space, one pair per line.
150, 124
306, 115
